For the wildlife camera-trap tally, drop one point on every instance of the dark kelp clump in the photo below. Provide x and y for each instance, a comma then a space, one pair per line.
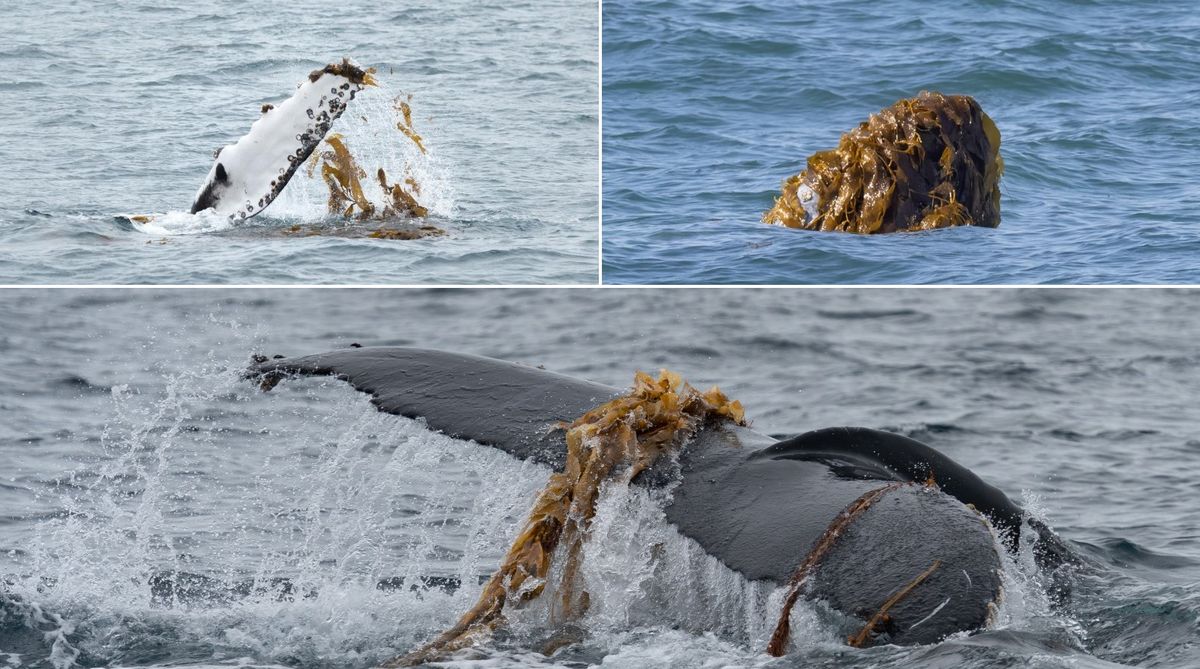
927, 162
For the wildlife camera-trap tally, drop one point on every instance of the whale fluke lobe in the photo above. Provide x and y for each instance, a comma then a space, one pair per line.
927, 162
254, 170
888, 531
512, 407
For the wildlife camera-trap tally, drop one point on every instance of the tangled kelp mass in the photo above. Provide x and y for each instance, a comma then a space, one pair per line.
622, 438
396, 230
344, 178
927, 162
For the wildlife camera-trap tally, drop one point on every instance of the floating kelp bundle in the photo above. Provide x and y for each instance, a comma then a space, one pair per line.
621, 438
927, 162
395, 230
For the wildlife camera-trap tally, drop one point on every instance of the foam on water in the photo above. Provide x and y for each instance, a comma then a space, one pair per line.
182, 222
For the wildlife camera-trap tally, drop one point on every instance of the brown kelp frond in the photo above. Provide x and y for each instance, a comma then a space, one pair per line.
623, 436
388, 230
405, 124
344, 177
348, 69
402, 202
927, 162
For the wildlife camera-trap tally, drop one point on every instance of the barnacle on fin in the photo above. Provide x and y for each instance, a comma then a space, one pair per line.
927, 162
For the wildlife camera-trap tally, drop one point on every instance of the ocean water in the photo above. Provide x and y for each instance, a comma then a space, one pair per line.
132, 451
708, 106
116, 109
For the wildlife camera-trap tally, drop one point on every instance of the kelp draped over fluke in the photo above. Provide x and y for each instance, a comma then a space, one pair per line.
927, 162
344, 179
622, 438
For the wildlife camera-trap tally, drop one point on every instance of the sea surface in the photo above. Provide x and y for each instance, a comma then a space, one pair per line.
134, 457
116, 108
709, 106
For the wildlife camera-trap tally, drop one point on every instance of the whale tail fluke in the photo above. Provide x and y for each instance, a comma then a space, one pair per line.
515, 408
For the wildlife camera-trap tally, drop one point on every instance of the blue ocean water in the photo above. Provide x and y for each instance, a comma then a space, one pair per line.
708, 106
130, 448
116, 108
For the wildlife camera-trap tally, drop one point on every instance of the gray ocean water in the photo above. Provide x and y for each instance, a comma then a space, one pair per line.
116, 109
708, 106
131, 450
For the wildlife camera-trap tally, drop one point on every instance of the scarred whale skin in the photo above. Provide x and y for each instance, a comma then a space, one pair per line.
249, 174
755, 503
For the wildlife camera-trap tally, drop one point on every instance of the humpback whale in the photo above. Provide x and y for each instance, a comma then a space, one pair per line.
885, 529
248, 175
927, 162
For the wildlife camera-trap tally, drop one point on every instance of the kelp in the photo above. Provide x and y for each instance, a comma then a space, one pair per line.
927, 162
881, 619
405, 125
620, 438
348, 69
394, 230
343, 177
824, 544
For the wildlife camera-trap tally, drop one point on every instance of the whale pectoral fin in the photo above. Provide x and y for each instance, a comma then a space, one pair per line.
256, 168
511, 407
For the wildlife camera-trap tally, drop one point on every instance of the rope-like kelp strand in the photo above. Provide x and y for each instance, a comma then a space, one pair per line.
864, 635
783, 628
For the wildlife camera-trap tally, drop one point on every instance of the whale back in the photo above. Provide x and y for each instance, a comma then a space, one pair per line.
248, 175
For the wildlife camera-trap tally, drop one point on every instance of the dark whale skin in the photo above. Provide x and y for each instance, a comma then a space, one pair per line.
757, 504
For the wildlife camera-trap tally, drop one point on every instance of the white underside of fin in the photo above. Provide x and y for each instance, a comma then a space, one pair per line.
261, 163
